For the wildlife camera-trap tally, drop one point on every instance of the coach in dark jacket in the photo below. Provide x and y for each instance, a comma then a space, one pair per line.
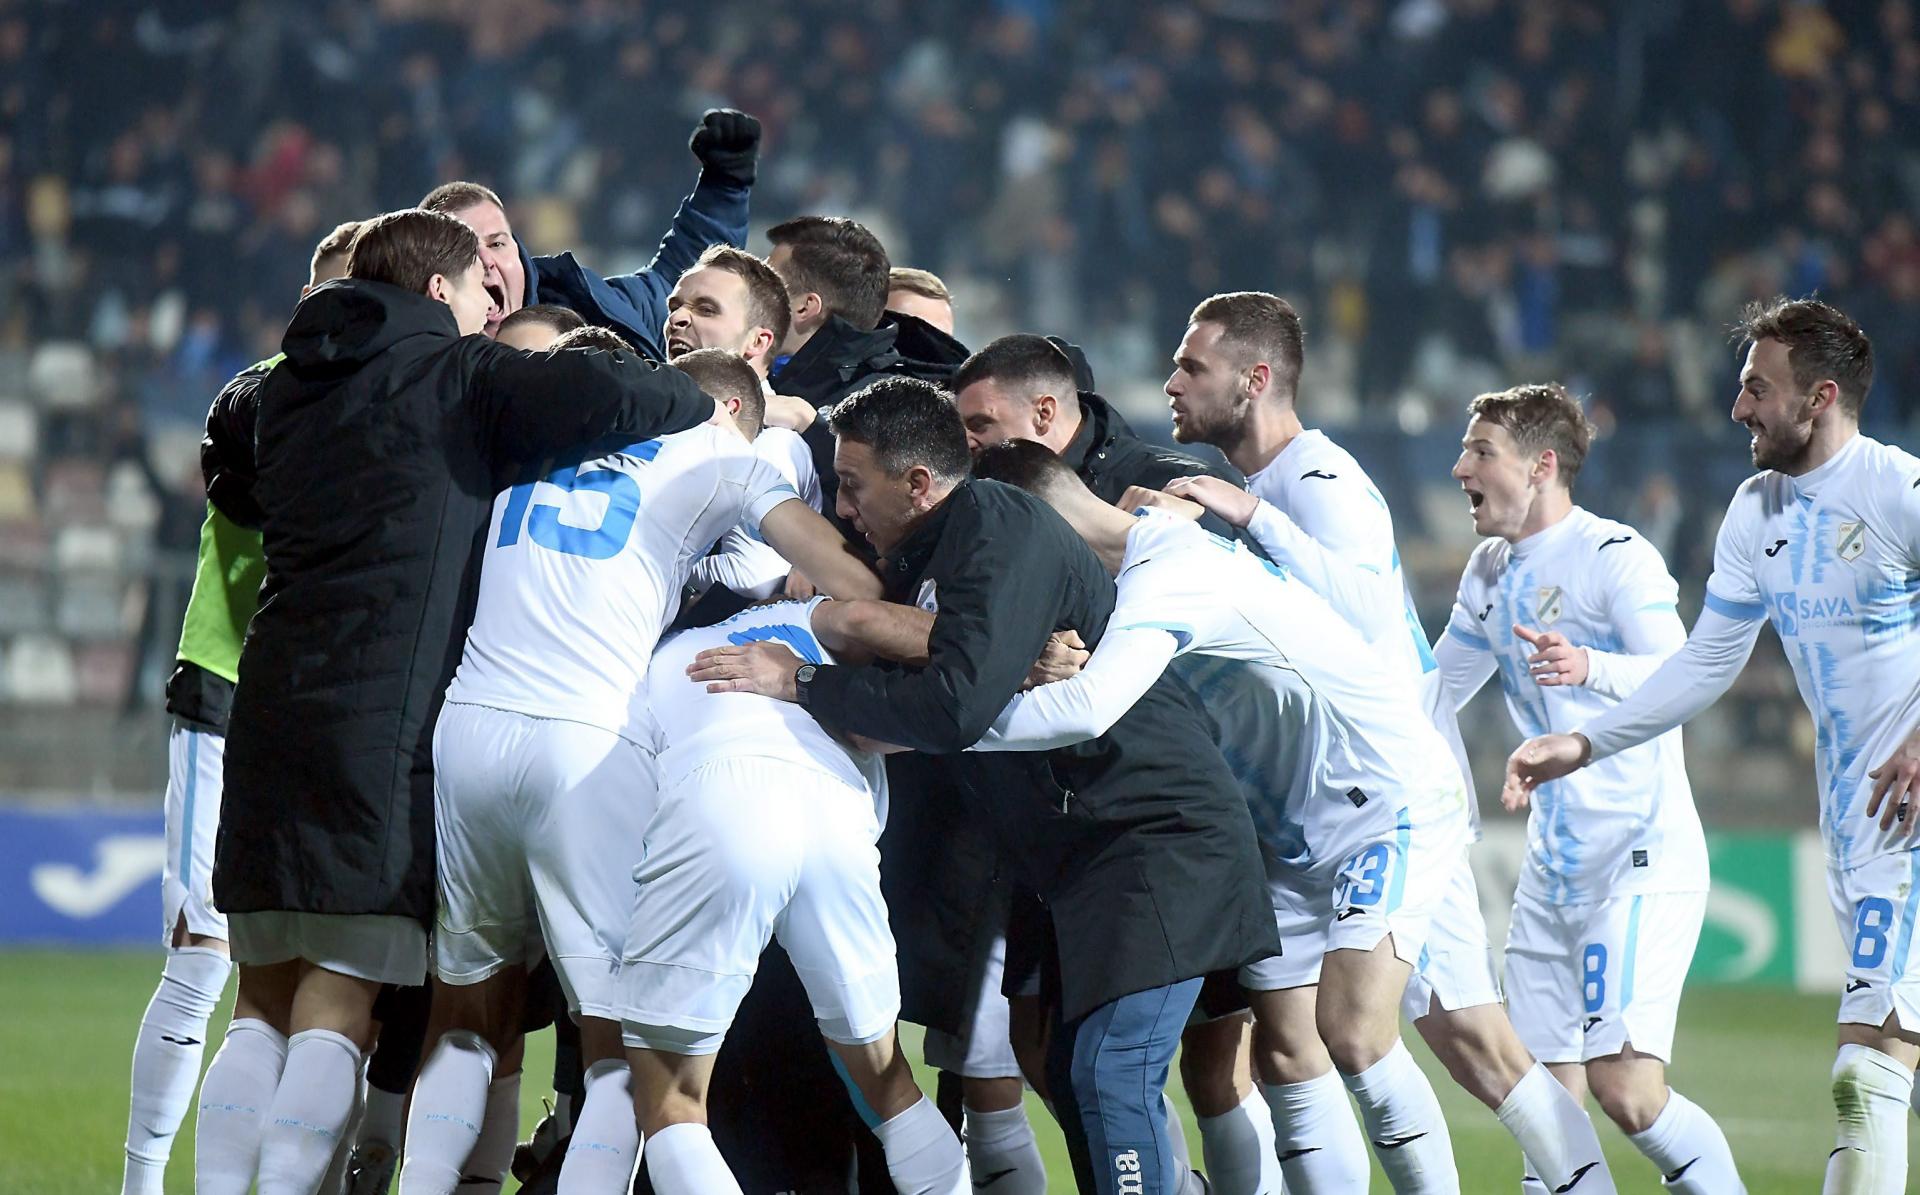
1136, 841
381, 440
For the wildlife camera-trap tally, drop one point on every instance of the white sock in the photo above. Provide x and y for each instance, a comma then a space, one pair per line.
1690, 1150
1237, 1149
309, 1110
606, 1138
1177, 1141
1001, 1151
1403, 1119
385, 1120
683, 1160
1870, 1093
1555, 1134
499, 1133
923, 1155
166, 1061
233, 1103
1316, 1136
334, 1182
449, 1102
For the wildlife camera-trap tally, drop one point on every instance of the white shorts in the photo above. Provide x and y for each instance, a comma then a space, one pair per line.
194, 759
369, 946
540, 822
1585, 980
984, 1050
1391, 886
1456, 968
741, 851
1875, 906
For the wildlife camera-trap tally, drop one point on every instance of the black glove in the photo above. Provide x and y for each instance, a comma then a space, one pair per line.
727, 144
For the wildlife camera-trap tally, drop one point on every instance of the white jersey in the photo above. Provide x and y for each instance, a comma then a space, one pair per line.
1627, 824
1322, 517
583, 570
696, 727
1328, 741
1832, 559
742, 561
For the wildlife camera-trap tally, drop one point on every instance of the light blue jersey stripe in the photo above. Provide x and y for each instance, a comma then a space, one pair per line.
186, 810
1903, 944
1632, 949
1402, 837
1477, 642
1742, 611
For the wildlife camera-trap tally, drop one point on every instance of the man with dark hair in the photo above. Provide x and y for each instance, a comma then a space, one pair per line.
841, 336
921, 294
1235, 385
727, 377
226, 589
535, 328
1615, 878
1136, 842
727, 144
1824, 543
380, 442
1023, 387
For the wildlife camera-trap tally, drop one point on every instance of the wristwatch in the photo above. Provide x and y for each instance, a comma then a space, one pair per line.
803, 677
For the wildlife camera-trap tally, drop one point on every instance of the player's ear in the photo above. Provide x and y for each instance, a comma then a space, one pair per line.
1046, 409
1825, 396
920, 487
1546, 466
1258, 378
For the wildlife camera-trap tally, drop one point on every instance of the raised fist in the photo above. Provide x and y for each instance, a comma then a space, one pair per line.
727, 142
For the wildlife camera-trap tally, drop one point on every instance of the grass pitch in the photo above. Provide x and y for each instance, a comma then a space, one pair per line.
1757, 1060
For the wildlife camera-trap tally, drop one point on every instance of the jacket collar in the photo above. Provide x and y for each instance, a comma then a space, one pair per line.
1100, 424
909, 558
835, 355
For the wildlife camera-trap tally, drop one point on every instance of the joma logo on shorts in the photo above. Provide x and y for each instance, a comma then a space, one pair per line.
1127, 1165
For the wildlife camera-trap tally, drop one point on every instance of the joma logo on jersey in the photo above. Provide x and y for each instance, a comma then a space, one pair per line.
1126, 1166
1548, 603
1792, 613
1849, 541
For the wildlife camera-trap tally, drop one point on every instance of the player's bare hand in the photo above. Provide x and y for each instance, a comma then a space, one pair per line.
1223, 498
799, 588
1064, 656
1554, 660
1539, 760
794, 414
763, 668
1896, 786
1138, 496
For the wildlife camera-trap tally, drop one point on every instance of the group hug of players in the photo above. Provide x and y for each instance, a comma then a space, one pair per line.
431, 698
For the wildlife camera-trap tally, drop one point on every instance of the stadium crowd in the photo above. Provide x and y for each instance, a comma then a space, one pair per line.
439, 770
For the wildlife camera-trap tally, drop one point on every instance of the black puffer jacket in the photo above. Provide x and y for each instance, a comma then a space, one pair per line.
1110, 457
380, 443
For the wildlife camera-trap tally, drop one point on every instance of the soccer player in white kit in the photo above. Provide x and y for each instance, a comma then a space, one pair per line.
1311, 507
1573, 612
543, 759
766, 828
1824, 543
1357, 798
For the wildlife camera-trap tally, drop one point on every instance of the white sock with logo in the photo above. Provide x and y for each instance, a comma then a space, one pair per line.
1555, 1135
309, 1111
606, 1138
1404, 1121
1002, 1152
1316, 1137
499, 1133
233, 1105
1182, 1154
166, 1061
1690, 1150
1871, 1092
683, 1160
449, 1102
923, 1155
1238, 1152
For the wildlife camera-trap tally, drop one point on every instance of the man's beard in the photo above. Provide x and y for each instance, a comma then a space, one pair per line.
1772, 451
1224, 430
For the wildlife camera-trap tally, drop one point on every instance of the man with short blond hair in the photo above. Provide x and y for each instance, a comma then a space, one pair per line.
921, 294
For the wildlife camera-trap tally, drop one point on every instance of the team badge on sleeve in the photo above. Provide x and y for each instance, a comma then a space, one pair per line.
1850, 541
929, 599
1547, 604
